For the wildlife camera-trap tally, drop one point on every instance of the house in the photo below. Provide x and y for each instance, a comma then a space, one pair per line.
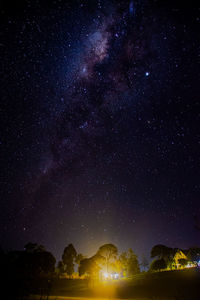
181, 261
179, 255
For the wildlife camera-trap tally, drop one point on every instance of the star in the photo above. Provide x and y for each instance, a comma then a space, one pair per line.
95, 127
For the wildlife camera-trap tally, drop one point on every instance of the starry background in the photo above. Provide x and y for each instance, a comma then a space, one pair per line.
99, 124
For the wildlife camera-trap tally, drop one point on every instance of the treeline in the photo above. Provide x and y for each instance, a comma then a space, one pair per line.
174, 258
106, 260
26, 272
33, 270
35, 261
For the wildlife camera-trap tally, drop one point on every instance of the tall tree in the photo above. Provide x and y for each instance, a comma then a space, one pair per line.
124, 263
68, 258
60, 268
162, 251
45, 262
132, 263
108, 252
90, 266
158, 265
79, 258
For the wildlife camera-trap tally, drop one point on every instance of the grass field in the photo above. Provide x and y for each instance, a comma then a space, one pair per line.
179, 285
169, 285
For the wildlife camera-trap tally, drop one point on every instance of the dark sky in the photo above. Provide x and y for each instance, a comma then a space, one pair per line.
99, 124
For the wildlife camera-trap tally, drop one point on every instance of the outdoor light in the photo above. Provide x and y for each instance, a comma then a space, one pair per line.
106, 275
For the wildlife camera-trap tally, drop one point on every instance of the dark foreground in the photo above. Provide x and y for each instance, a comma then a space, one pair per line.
179, 285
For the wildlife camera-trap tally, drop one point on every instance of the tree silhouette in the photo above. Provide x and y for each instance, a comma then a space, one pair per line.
79, 258
90, 266
161, 251
68, 258
108, 252
132, 263
60, 267
158, 265
123, 263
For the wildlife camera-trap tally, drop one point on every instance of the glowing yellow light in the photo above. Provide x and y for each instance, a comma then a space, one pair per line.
106, 275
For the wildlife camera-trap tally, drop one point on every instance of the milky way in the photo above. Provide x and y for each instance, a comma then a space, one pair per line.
99, 124
110, 64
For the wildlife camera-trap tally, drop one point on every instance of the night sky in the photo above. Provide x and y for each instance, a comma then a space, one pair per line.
99, 124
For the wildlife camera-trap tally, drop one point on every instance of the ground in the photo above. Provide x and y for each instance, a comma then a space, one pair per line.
170, 285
